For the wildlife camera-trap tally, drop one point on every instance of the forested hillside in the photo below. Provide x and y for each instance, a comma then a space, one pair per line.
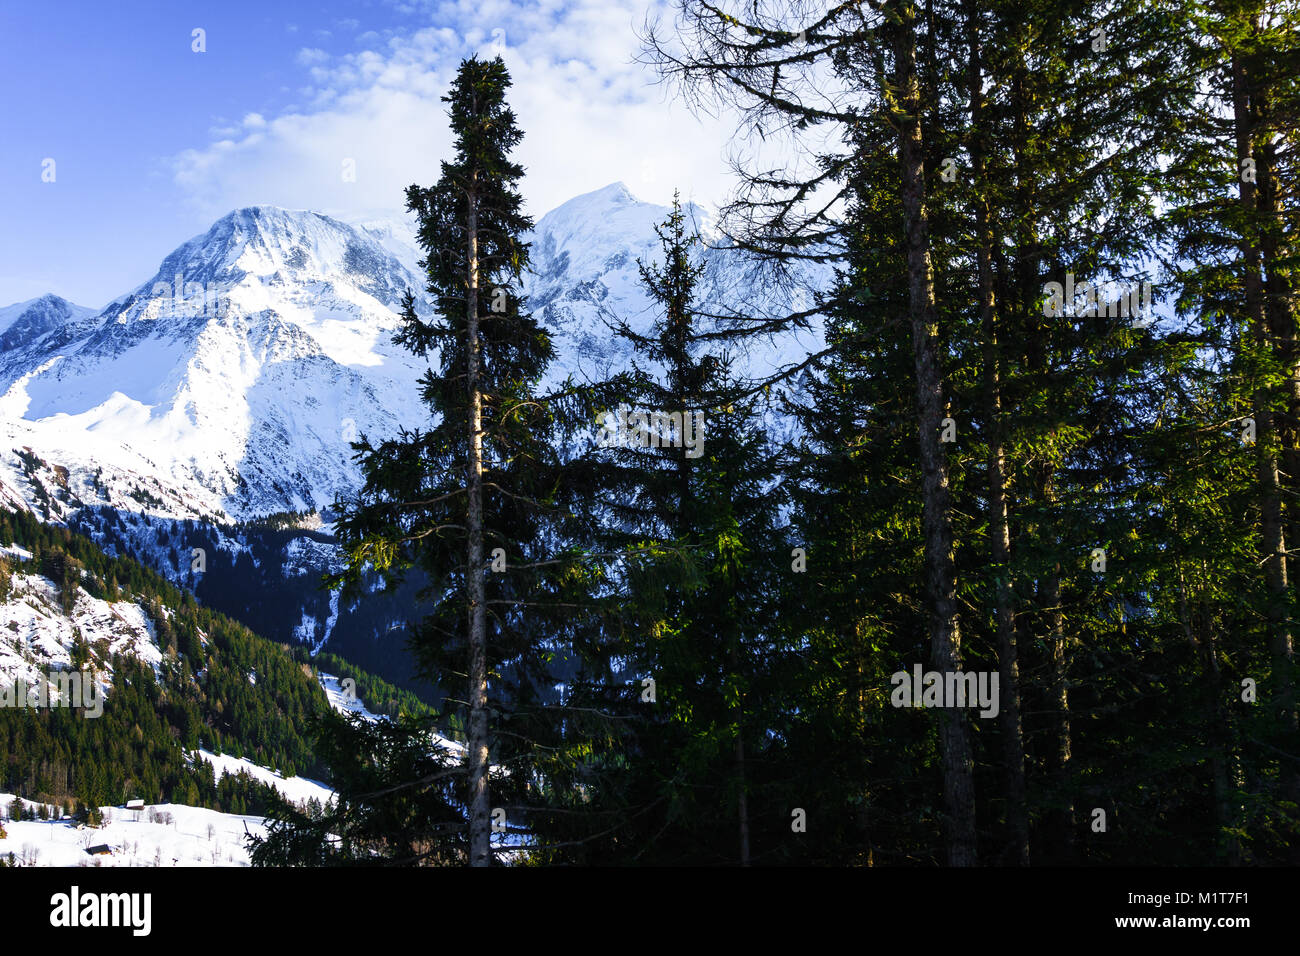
211, 683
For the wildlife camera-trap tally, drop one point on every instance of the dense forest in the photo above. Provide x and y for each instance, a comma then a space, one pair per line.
1049, 458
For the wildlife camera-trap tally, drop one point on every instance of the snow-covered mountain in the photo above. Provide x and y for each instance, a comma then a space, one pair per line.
229, 386
585, 278
231, 383
26, 322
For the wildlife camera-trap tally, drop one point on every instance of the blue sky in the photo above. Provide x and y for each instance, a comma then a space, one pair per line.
152, 141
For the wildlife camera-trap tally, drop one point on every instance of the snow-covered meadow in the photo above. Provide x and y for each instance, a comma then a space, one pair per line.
163, 835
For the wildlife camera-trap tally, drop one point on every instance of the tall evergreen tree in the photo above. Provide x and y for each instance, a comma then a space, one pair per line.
1237, 224
476, 501
693, 490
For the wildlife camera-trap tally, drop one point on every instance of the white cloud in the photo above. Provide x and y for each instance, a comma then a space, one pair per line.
590, 116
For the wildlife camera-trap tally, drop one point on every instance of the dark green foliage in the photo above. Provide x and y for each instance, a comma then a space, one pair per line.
398, 801
1104, 433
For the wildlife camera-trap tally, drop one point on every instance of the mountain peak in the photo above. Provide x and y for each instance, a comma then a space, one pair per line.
267, 241
47, 301
26, 320
264, 216
613, 195
617, 192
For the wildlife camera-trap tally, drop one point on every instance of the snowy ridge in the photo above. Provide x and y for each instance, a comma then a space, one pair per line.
348, 703
294, 789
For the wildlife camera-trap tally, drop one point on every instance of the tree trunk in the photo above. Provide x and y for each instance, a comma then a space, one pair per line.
940, 567
1013, 747
1272, 537
480, 815
1280, 318
742, 800
1222, 764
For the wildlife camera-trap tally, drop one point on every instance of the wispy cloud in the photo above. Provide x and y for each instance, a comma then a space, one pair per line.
370, 122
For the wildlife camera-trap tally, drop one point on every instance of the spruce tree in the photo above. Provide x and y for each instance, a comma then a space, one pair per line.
476, 502
694, 493
1234, 218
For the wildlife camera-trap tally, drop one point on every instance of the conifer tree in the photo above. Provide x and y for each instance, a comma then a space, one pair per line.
475, 501
701, 617
491, 505
1235, 227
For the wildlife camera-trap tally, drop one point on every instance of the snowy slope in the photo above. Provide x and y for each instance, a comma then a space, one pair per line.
36, 635
294, 789
231, 382
343, 700
161, 835
349, 703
